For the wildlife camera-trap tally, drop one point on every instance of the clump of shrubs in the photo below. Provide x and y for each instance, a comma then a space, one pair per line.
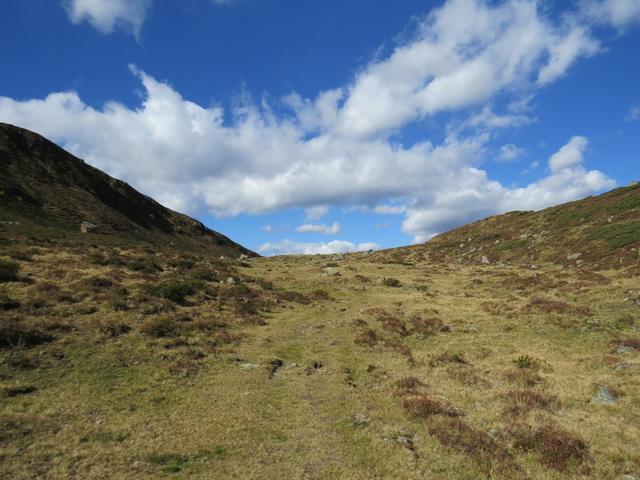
558, 448
390, 282
177, 291
424, 407
525, 361
428, 326
407, 385
7, 302
448, 357
112, 328
161, 327
368, 338
8, 270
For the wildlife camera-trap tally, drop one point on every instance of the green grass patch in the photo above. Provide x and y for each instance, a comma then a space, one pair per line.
618, 235
511, 245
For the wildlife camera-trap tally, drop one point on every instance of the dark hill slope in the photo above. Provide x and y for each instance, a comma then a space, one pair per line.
49, 192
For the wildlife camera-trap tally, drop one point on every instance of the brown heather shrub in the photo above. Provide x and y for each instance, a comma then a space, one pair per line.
545, 305
161, 327
427, 326
407, 386
403, 350
393, 325
391, 282
448, 357
558, 448
296, 297
631, 343
112, 327
489, 455
424, 407
15, 334
521, 402
369, 338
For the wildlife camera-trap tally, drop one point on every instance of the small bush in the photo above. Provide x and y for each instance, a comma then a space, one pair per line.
448, 357
112, 328
14, 334
631, 343
368, 338
490, 455
7, 302
525, 361
407, 385
171, 462
390, 282
161, 327
558, 448
428, 326
393, 325
100, 282
177, 291
425, 407
9, 270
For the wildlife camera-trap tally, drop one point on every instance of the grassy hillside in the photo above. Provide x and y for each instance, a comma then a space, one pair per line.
126, 363
602, 231
123, 358
46, 193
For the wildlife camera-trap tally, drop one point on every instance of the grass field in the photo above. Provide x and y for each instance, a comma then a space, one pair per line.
127, 363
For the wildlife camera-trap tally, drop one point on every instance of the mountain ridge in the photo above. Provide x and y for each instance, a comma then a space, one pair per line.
43, 185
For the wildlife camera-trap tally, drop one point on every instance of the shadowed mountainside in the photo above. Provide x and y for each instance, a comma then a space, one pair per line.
42, 185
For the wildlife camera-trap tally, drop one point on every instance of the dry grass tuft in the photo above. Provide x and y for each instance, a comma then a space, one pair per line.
521, 402
407, 386
369, 338
424, 407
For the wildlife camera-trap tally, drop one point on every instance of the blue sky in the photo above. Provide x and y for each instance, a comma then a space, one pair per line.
303, 126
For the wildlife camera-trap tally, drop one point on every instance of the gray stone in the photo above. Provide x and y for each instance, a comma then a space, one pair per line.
330, 271
574, 256
485, 260
624, 349
248, 366
604, 396
230, 281
361, 419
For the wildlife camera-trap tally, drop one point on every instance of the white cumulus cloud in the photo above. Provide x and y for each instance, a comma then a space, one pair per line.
337, 149
288, 247
509, 152
333, 229
107, 15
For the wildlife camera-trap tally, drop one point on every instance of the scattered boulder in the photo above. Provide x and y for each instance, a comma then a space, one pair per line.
361, 419
574, 256
485, 260
248, 366
330, 272
87, 227
231, 281
604, 396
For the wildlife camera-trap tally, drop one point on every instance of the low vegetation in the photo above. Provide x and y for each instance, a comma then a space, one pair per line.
127, 360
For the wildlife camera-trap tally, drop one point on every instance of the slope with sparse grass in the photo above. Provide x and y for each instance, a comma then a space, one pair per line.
118, 360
